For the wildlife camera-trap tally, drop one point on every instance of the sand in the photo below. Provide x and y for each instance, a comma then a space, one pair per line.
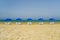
30, 32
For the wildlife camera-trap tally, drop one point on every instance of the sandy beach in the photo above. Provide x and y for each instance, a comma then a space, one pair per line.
30, 32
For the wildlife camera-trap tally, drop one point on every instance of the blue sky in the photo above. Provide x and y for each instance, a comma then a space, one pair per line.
30, 8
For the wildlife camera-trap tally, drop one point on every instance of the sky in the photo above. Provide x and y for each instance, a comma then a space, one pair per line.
30, 9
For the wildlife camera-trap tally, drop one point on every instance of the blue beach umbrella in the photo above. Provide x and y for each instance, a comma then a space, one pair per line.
29, 19
51, 19
40, 19
18, 19
8, 19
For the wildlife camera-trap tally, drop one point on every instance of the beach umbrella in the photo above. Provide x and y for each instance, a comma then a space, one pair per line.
18, 20
40, 20
51, 20
8, 20
29, 20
